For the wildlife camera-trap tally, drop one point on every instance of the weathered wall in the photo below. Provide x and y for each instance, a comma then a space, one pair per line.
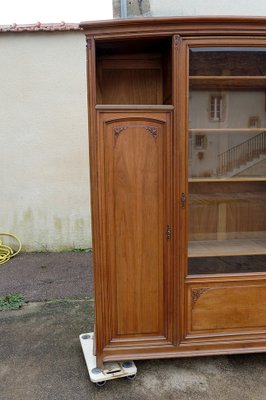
135, 8
207, 7
191, 7
44, 196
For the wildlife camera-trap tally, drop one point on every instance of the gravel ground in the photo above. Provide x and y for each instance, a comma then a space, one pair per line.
42, 276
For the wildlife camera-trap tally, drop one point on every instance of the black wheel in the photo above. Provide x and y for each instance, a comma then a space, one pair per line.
101, 383
131, 377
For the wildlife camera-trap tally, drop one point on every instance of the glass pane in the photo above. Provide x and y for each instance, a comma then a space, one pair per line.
227, 160
227, 61
227, 133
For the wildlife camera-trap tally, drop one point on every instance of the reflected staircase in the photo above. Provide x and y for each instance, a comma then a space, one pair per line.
242, 156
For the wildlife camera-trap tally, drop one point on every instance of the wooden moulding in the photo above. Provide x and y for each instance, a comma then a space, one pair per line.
185, 26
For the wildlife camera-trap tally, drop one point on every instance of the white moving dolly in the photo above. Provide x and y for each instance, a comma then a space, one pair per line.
110, 370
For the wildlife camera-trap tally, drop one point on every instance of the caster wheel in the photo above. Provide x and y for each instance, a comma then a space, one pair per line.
131, 377
100, 384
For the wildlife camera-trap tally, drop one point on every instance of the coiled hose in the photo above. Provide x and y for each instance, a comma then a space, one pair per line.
6, 252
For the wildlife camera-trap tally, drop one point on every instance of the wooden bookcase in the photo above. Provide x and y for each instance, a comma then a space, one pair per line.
177, 129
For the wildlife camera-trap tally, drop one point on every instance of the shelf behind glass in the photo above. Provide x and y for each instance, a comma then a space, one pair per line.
232, 247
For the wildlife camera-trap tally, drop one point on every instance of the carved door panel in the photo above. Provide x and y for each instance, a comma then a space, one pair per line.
134, 180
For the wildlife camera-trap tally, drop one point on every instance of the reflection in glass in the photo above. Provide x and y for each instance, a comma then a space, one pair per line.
227, 160
227, 61
228, 133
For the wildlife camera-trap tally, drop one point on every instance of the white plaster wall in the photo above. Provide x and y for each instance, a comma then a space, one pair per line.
44, 194
207, 7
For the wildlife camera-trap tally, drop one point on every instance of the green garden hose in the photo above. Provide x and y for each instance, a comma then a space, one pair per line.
6, 252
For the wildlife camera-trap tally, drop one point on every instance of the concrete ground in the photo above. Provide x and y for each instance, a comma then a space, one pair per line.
41, 358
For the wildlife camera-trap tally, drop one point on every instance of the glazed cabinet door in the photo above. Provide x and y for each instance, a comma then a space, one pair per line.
226, 184
133, 299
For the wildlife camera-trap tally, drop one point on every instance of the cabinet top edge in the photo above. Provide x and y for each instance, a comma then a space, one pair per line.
176, 25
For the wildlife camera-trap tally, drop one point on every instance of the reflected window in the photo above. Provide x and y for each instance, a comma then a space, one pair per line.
217, 105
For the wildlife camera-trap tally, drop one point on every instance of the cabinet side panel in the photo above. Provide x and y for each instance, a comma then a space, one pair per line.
134, 174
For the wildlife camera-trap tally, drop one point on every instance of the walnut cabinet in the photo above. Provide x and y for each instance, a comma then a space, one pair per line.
177, 128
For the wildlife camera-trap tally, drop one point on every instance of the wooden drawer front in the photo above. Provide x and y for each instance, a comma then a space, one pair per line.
232, 307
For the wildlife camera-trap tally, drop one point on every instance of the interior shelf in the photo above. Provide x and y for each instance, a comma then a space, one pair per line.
221, 130
133, 107
227, 82
219, 248
242, 179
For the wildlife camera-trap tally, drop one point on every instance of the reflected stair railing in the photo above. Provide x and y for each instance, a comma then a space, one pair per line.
239, 155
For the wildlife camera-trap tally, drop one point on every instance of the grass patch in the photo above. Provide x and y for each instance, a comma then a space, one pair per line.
11, 301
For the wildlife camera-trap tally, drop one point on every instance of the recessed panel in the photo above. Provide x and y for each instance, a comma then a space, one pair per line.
232, 308
136, 209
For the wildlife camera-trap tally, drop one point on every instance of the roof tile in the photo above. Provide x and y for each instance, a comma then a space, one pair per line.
38, 26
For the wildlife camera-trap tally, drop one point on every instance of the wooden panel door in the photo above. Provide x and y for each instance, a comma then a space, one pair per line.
134, 179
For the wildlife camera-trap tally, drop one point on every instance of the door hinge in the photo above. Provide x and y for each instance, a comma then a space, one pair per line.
168, 232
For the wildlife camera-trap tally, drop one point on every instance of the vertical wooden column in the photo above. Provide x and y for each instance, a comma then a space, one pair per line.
96, 227
180, 146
